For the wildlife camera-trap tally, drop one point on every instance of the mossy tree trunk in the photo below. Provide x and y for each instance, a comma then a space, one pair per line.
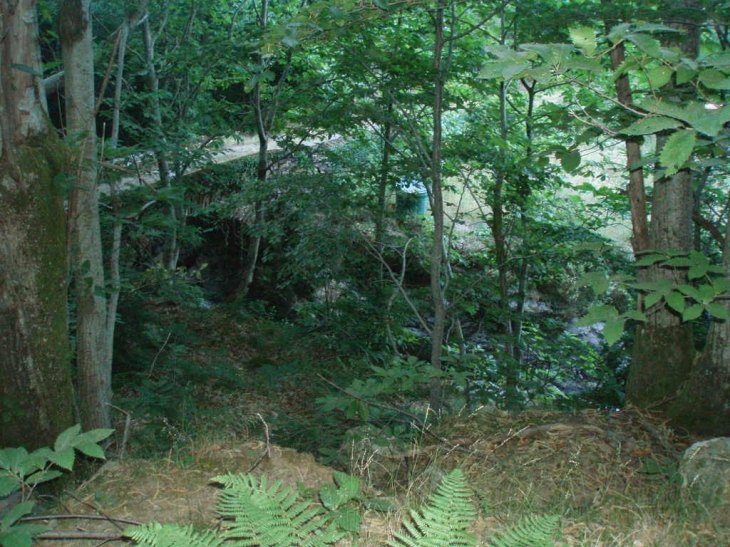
664, 346
703, 405
93, 353
36, 395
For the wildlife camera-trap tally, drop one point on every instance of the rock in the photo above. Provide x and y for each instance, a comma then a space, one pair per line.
705, 472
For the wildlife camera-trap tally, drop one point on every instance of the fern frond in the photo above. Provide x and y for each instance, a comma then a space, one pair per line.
444, 520
271, 516
533, 530
171, 535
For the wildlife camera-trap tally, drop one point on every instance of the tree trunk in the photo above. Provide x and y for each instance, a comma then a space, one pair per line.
664, 346
35, 392
437, 250
704, 404
171, 246
264, 121
93, 361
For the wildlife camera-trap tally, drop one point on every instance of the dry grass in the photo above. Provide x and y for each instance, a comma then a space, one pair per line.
585, 466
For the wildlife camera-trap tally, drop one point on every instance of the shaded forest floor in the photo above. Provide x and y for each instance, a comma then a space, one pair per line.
611, 475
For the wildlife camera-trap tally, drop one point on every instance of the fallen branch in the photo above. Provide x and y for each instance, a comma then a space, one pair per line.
55, 536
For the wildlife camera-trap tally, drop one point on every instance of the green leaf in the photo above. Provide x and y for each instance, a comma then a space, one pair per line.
570, 161
690, 291
651, 124
677, 262
692, 312
92, 450
714, 79
718, 311
721, 285
329, 496
16, 537
649, 260
696, 272
664, 108
67, 438
8, 484
708, 122
503, 68
348, 485
348, 519
707, 293
675, 300
582, 63
44, 475
64, 458
597, 314
647, 44
653, 298
584, 38
595, 280
636, 315
685, 74
12, 459
16, 513
93, 436
659, 76
613, 330
662, 286
677, 150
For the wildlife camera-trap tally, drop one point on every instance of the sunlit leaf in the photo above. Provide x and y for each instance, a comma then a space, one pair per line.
645, 43
677, 150
659, 76
584, 38
652, 124
664, 108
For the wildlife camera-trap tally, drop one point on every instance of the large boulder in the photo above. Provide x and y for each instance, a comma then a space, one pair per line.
705, 472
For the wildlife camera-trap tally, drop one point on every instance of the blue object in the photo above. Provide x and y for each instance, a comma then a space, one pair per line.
411, 198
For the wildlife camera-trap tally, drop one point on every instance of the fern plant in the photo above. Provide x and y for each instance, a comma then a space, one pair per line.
444, 520
155, 534
256, 514
271, 516
533, 530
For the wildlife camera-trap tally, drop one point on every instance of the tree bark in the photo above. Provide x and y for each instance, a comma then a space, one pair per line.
35, 392
93, 360
264, 121
664, 346
703, 405
437, 207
